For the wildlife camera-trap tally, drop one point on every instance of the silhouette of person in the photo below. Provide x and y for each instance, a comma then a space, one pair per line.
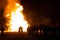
28, 30
45, 29
2, 21
20, 30
2, 31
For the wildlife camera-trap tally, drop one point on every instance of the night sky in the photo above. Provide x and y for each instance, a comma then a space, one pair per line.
42, 11
38, 11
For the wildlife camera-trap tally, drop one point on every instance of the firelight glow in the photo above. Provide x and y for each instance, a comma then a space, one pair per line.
16, 19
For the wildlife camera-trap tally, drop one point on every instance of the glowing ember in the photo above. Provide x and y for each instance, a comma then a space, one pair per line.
16, 19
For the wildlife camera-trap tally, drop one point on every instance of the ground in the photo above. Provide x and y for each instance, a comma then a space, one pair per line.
24, 36
15, 36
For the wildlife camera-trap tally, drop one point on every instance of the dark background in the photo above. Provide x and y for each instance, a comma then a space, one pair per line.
42, 11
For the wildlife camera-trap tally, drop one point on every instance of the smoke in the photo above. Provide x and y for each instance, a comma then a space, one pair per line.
34, 19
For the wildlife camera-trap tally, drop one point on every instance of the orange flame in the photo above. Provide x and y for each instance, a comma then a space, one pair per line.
16, 19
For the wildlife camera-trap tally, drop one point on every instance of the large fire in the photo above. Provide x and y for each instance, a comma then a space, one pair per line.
15, 19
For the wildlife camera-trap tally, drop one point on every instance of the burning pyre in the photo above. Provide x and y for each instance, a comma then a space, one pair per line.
14, 17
